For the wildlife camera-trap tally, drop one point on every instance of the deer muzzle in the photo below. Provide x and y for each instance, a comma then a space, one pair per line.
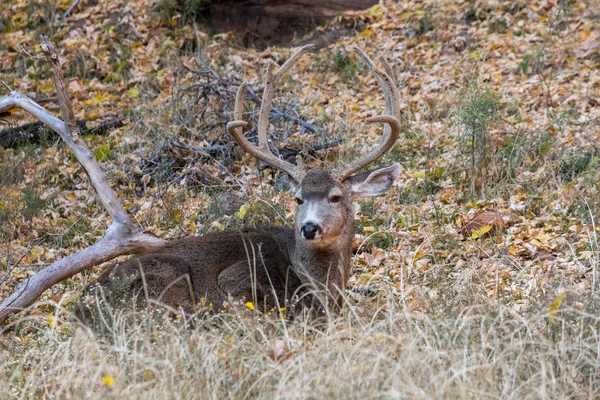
310, 231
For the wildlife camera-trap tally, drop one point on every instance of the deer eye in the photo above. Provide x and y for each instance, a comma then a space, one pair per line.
299, 200
335, 199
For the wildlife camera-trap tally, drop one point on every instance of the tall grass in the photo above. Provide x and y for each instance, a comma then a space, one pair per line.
482, 350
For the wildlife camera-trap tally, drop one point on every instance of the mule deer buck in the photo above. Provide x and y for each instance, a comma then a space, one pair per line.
307, 266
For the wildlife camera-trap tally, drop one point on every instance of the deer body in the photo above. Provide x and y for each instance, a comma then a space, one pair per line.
308, 266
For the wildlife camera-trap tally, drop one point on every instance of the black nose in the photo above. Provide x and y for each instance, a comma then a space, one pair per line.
309, 231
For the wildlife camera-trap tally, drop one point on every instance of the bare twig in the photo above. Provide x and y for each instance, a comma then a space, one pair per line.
71, 7
29, 54
12, 267
586, 122
209, 100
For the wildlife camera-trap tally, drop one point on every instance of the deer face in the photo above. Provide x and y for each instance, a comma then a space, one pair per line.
324, 210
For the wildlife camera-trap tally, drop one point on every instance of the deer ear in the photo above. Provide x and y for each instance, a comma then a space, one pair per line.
374, 183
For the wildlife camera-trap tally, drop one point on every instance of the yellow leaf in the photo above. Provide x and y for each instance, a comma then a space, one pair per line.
366, 32
419, 174
585, 35
375, 11
176, 215
544, 237
112, 77
477, 233
568, 185
133, 93
369, 229
147, 375
459, 222
243, 211
513, 250
420, 253
476, 55
553, 309
355, 107
250, 305
51, 321
584, 255
99, 98
108, 380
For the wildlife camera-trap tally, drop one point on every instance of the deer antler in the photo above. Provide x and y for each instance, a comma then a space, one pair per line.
390, 116
262, 151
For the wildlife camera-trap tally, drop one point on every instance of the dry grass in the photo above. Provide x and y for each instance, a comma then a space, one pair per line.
439, 349
473, 318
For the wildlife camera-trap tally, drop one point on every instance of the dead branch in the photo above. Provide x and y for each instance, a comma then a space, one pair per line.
34, 132
122, 237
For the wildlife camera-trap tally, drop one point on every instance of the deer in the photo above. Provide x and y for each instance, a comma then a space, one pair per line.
304, 267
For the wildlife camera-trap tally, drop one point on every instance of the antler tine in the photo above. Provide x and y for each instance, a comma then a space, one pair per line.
262, 151
391, 132
393, 88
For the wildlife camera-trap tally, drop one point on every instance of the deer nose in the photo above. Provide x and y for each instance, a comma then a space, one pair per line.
310, 231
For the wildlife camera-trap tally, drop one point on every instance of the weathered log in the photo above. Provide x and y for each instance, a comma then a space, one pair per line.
122, 237
36, 132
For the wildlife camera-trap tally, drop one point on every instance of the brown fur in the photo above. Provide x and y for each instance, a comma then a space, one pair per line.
272, 267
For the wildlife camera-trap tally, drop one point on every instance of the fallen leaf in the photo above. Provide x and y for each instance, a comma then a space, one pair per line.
553, 309
374, 258
589, 48
491, 218
279, 351
133, 93
477, 233
418, 254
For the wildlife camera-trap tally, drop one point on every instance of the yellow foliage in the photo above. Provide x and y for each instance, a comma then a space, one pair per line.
553, 309
108, 380
477, 233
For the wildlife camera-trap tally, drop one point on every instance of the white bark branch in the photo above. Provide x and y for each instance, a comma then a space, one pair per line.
121, 238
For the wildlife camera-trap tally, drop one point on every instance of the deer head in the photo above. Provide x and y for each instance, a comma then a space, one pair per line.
324, 212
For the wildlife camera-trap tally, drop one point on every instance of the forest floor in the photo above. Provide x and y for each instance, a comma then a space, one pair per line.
475, 276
